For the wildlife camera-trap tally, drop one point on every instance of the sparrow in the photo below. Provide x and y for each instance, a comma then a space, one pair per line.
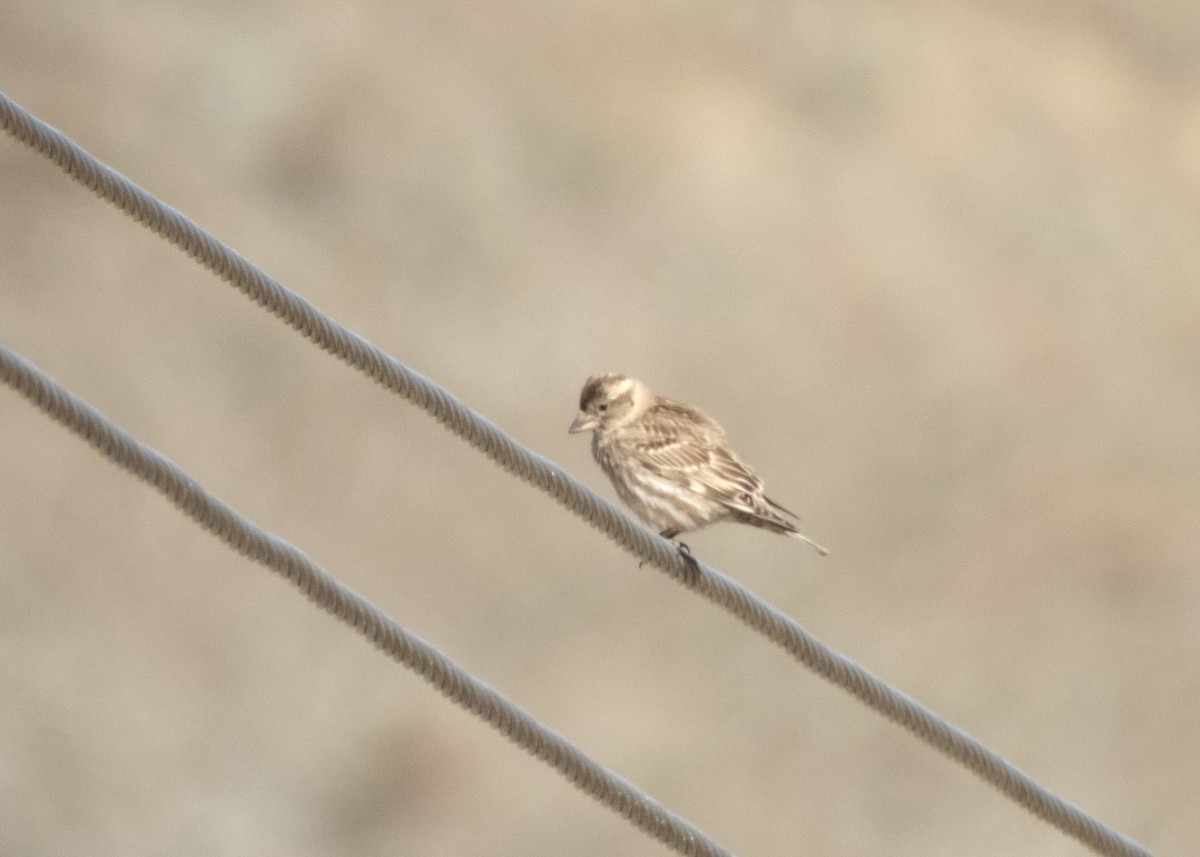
671, 464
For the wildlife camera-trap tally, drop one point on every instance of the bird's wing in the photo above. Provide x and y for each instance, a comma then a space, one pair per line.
730, 482
673, 440
779, 508
683, 445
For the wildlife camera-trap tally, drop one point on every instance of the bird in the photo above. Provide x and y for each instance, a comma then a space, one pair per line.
671, 464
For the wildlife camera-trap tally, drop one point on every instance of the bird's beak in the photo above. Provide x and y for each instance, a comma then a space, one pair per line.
583, 422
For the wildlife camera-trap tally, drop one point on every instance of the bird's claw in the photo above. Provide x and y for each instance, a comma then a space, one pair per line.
685, 553
693, 575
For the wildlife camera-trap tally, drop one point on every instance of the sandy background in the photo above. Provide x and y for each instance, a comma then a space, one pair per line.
938, 272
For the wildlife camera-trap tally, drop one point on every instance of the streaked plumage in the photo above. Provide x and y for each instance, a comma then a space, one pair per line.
670, 463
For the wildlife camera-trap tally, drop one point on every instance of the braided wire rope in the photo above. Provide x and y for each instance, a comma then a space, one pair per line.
553, 480
279, 555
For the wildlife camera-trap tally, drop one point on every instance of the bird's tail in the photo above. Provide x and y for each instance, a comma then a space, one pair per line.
789, 530
799, 536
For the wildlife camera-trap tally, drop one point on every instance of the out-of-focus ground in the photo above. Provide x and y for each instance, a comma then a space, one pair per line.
937, 270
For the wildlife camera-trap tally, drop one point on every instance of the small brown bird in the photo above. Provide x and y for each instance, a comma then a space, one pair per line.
671, 464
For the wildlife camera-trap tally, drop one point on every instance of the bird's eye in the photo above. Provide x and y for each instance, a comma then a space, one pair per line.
603, 406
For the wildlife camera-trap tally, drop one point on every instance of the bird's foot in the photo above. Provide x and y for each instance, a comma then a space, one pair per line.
693, 574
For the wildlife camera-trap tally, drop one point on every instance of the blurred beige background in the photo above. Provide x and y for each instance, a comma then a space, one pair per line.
938, 272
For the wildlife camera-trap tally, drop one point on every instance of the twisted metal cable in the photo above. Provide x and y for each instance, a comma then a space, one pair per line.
279, 555
550, 478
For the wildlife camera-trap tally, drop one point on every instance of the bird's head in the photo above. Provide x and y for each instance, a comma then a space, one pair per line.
611, 401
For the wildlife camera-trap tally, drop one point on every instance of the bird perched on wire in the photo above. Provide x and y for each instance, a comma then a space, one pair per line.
671, 464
